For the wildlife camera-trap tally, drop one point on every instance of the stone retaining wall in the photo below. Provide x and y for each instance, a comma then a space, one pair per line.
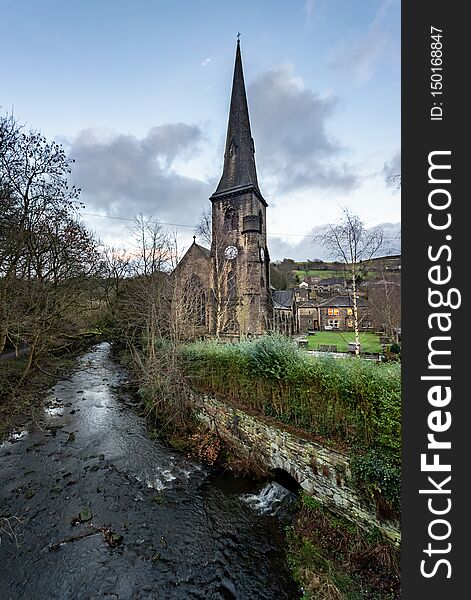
320, 471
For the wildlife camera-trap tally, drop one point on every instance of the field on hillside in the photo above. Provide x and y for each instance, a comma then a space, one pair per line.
321, 274
329, 274
369, 342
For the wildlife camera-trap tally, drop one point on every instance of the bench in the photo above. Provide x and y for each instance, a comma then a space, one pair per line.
326, 348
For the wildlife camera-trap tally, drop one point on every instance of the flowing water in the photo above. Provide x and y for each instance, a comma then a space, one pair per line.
91, 508
273, 499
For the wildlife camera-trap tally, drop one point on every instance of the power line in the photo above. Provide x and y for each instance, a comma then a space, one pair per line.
184, 225
134, 220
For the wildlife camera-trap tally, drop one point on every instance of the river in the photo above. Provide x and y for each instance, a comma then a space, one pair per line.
92, 508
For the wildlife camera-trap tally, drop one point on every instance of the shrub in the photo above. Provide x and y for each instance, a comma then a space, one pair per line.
347, 401
350, 401
378, 475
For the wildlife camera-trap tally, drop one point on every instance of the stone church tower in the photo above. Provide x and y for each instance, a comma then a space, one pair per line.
240, 263
225, 291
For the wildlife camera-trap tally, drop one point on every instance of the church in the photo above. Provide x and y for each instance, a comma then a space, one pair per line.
224, 290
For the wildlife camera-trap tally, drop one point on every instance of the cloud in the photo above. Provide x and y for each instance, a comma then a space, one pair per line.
205, 62
306, 248
122, 175
392, 171
289, 123
359, 60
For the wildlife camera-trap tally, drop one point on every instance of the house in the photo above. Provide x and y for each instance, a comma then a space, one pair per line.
285, 316
337, 313
304, 292
333, 286
308, 316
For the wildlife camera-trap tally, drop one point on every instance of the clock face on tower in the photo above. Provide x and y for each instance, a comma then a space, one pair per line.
230, 252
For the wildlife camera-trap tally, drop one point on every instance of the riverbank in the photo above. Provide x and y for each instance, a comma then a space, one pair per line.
329, 557
21, 401
92, 507
332, 559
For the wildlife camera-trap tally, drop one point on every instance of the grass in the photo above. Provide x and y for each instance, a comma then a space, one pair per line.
321, 274
369, 341
332, 559
324, 274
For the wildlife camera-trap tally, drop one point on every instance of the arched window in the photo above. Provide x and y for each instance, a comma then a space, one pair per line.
231, 287
195, 300
260, 220
201, 309
230, 220
231, 325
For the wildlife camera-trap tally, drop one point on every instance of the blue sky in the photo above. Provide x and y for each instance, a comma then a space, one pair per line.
139, 91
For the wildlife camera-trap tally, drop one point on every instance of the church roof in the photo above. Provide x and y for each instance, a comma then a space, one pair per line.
204, 250
239, 172
282, 298
190, 253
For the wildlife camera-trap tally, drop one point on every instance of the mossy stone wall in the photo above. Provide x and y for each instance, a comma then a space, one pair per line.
320, 471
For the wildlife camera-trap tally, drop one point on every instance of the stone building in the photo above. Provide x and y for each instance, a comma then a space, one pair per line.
307, 315
225, 290
337, 313
285, 314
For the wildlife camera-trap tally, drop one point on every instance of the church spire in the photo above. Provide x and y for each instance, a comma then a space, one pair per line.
239, 157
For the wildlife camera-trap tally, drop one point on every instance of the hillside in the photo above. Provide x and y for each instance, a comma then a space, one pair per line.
290, 273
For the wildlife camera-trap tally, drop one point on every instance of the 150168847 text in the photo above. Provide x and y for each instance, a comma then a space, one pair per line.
436, 73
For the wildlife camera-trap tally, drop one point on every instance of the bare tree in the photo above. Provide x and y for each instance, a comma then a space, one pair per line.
204, 226
154, 252
385, 301
149, 319
115, 268
354, 245
47, 257
223, 277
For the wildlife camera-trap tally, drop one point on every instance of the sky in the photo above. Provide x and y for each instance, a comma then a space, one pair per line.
138, 93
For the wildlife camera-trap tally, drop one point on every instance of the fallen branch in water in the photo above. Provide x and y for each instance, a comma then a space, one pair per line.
109, 536
75, 538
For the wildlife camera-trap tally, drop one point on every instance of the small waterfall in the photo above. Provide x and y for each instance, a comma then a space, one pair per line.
271, 499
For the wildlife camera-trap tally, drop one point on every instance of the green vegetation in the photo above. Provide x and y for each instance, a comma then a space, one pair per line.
332, 559
350, 403
369, 341
343, 400
323, 274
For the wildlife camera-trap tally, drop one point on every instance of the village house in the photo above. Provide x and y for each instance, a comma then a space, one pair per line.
285, 314
336, 313
308, 316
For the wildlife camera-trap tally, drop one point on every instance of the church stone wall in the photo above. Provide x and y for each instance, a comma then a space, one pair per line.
252, 285
195, 262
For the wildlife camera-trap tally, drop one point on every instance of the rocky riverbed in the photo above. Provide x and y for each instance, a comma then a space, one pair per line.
92, 508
